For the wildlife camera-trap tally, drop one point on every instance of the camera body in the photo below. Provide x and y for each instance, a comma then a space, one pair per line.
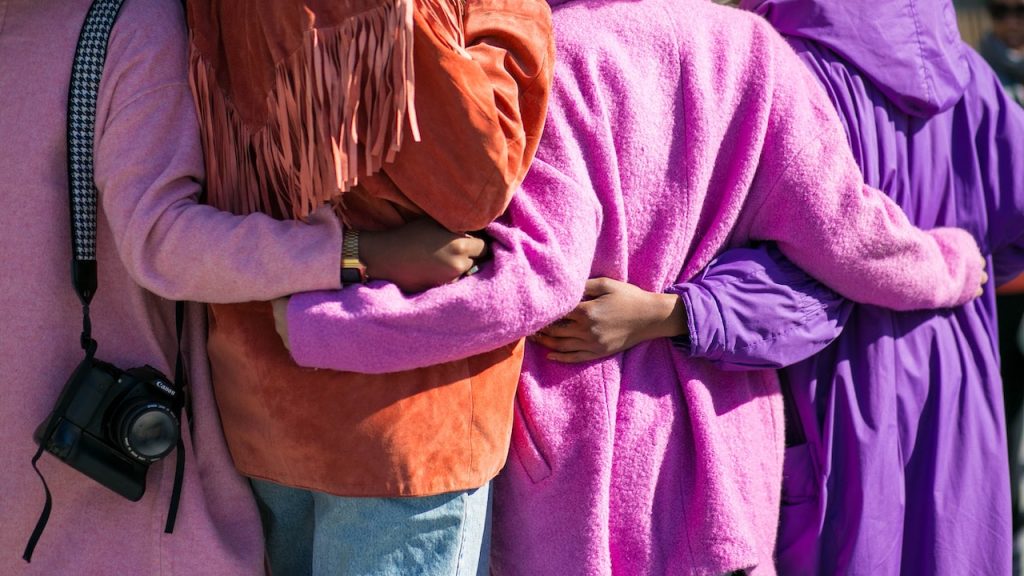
111, 424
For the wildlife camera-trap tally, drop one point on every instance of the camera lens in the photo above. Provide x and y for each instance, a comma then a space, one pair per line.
148, 432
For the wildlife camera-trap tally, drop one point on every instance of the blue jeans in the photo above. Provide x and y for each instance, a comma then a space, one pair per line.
312, 533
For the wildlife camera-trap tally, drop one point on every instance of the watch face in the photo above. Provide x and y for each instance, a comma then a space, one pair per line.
351, 276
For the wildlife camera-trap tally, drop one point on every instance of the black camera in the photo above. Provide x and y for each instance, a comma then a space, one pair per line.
111, 424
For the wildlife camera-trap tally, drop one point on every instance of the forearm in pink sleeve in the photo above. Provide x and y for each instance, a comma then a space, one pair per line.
810, 198
148, 168
542, 247
857, 241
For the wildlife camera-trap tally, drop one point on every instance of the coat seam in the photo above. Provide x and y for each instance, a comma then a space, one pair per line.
925, 77
688, 176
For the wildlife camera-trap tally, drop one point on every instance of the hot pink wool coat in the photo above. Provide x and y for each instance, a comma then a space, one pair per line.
154, 240
677, 128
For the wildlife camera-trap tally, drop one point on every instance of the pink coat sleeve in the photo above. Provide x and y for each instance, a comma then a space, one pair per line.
810, 198
149, 169
543, 246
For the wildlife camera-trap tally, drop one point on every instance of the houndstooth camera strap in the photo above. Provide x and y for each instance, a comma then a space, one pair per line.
86, 74
83, 92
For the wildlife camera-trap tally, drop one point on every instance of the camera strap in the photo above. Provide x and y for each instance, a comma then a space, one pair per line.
86, 74
181, 382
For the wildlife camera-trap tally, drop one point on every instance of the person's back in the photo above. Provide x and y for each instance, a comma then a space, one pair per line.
676, 129
147, 162
154, 244
697, 130
902, 415
481, 72
396, 113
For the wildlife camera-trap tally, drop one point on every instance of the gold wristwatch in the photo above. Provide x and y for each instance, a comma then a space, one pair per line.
353, 271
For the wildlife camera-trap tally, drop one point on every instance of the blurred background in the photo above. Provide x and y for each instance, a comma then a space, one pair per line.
974, 20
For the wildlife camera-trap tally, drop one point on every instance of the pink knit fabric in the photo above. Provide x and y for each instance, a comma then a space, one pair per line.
650, 462
153, 240
677, 128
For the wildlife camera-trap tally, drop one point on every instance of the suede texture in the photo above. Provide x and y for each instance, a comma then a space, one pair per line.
426, 431
439, 428
246, 41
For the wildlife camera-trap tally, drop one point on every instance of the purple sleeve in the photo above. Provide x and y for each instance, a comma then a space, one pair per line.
753, 309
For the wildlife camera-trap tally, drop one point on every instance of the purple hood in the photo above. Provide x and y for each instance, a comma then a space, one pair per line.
910, 49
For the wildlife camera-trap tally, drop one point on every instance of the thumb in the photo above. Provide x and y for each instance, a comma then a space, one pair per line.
280, 307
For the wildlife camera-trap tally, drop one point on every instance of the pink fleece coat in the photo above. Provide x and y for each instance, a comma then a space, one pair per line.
677, 129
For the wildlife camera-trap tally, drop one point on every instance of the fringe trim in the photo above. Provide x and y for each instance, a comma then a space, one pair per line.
339, 104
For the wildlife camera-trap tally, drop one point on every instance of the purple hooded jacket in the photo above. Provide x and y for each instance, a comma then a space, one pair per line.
896, 451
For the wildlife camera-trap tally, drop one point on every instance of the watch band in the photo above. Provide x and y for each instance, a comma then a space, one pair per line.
353, 271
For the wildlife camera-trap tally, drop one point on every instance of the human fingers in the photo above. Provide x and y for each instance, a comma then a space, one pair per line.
466, 267
563, 328
560, 344
582, 314
574, 323
470, 246
280, 307
596, 287
573, 357
981, 285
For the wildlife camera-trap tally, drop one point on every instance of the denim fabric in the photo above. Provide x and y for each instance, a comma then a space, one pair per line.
312, 533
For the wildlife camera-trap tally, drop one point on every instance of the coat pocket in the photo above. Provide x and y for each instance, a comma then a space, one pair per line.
799, 475
796, 548
526, 447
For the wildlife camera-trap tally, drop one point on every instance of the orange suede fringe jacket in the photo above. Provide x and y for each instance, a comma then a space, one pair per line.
480, 76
